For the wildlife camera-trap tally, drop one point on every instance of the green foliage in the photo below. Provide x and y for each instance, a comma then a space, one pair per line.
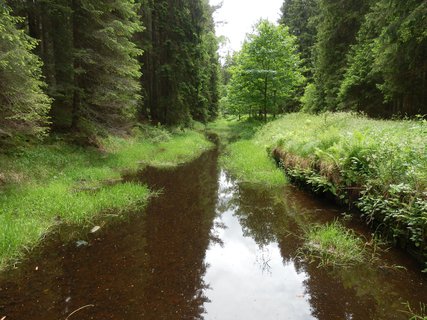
23, 105
266, 73
247, 158
90, 60
300, 16
368, 56
386, 73
420, 314
230, 129
180, 64
381, 166
332, 244
310, 99
338, 24
52, 183
105, 63
250, 163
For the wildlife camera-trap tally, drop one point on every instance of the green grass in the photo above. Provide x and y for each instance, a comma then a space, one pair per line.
380, 166
231, 129
333, 244
251, 163
59, 182
247, 159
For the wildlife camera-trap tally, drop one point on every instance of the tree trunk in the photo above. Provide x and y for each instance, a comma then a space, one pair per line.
265, 98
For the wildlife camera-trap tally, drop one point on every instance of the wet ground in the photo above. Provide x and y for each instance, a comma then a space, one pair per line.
206, 248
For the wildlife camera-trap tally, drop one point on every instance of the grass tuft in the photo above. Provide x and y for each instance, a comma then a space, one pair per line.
420, 314
333, 245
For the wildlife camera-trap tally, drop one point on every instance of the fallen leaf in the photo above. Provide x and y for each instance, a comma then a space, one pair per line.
95, 229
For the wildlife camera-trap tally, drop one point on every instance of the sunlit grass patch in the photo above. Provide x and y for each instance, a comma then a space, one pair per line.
244, 156
251, 163
231, 129
378, 166
26, 217
333, 244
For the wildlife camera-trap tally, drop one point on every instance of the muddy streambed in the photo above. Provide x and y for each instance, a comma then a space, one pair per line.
206, 248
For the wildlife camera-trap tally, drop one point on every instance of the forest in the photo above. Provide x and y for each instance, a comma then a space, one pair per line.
97, 67
364, 57
94, 67
128, 136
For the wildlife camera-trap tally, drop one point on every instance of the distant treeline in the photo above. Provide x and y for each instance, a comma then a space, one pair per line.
365, 55
96, 66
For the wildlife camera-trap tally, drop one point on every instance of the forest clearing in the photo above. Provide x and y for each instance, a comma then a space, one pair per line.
180, 160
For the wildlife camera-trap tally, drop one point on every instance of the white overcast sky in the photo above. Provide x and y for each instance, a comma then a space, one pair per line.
240, 15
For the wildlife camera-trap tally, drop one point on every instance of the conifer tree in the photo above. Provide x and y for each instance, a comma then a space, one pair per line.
106, 69
91, 64
338, 24
300, 17
387, 69
180, 62
24, 106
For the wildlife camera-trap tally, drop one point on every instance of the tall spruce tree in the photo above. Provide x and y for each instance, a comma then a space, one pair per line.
23, 104
180, 62
300, 17
106, 69
90, 59
338, 24
387, 67
208, 68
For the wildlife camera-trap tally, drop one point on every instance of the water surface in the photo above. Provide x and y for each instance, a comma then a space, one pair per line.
206, 248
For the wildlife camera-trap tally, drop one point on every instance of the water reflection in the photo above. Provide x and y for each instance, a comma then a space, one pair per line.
207, 248
247, 276
256, 273
149, 266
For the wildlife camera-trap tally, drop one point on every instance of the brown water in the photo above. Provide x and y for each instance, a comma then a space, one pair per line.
206, 248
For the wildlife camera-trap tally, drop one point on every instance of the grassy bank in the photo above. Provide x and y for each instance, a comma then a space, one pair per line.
41, 186
245, 154
379, 166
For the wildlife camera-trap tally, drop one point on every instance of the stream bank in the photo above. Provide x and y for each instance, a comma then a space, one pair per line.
58, 183
377, 167
207, 247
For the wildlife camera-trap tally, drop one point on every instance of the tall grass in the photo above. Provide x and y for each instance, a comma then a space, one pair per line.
381, 166
58, 182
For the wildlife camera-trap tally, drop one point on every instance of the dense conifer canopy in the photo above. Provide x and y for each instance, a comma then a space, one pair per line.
367, 55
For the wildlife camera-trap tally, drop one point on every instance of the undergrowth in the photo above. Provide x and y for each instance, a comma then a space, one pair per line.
379, 166
41, 186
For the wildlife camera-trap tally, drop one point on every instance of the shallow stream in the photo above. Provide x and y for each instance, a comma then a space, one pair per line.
207, 248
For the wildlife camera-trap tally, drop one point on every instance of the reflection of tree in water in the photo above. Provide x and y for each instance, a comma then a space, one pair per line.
362, 292
266, 216
178, 237
149, 266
